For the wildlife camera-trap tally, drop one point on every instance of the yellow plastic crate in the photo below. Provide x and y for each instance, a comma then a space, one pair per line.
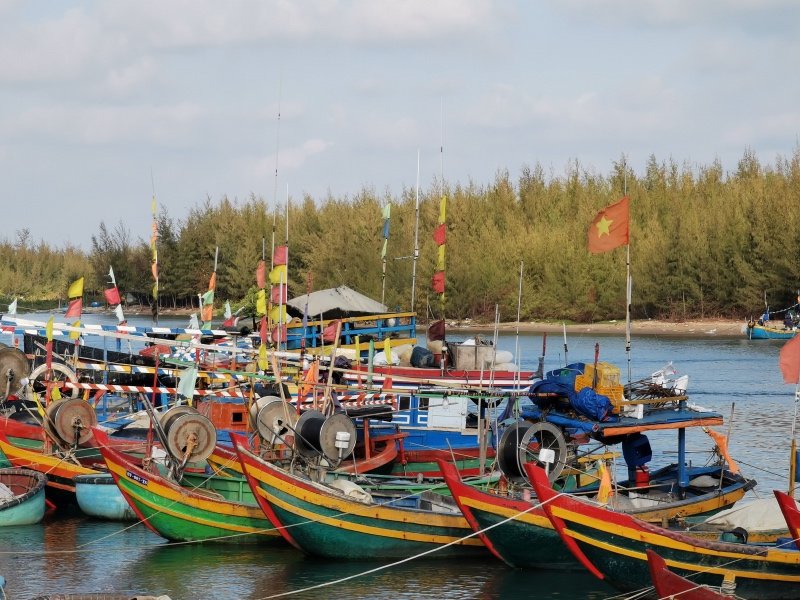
608, 382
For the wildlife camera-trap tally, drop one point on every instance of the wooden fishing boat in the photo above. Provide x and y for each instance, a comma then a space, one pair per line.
180, 513
325, 521
60, 470
755, 331
22, 500
670, 585
516, 530
613, 545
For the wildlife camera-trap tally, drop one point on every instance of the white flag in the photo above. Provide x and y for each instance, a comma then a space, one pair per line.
118, 312
12, 308
111, 274
228, 313
193, 324
186, 383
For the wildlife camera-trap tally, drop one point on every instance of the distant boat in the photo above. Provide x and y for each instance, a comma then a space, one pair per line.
22, 499
765, 331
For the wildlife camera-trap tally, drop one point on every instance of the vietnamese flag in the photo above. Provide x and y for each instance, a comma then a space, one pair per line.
609, 229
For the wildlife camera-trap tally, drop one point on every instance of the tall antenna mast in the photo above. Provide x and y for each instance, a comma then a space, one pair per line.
275, 187
416, 243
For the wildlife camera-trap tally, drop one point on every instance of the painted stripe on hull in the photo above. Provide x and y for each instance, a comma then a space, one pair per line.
180, 515
330, 526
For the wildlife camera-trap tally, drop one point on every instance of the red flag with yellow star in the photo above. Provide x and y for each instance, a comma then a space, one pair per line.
609, 229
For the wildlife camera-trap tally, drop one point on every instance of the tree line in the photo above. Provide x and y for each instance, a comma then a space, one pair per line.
704, 243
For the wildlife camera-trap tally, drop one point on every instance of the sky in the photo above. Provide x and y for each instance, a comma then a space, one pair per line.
103, 103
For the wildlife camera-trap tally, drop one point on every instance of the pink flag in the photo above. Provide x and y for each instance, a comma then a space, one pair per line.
281, 255
261, 274
112, 296
790, 360
74, 308
278, 294
263, 329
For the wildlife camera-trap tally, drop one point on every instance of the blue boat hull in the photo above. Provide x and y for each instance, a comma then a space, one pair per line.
98, 496
762, 332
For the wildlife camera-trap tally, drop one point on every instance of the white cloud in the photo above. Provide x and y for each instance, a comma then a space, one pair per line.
289, 158
167, 125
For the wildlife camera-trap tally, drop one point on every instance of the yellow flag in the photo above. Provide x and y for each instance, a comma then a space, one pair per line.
387, 349
440, 258
278, 314
48, 330
74, 335
261, 303
75, 289
55, 393
278, 275
605, 483
262, 357
443, 209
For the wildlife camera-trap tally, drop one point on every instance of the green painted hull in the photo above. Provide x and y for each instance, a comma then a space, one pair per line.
322, 522
523, 545
184, 514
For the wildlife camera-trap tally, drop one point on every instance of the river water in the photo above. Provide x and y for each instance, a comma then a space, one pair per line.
733, 376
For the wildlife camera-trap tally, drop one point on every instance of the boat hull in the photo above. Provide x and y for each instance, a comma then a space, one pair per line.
761, 332
183, 514
318, 521
98, 496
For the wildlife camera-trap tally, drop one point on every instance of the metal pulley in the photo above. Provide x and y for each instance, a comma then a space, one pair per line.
187, 431
70, 421
14, 367
273, 419
542, 443
334, 437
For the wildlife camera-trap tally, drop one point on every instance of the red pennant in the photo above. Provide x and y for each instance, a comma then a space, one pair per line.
329, 333
440, 234
263, 329
437, 281
281, 256
261, 275
74, 308
112, 296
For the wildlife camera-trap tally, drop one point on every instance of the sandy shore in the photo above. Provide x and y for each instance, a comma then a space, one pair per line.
698, 328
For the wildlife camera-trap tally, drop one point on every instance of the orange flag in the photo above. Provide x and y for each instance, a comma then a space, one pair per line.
609, 229
722, 443
790, 360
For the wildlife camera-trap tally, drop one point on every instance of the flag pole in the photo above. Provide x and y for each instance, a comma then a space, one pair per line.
628, 300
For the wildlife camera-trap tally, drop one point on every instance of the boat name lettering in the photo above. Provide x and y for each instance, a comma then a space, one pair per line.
136, 478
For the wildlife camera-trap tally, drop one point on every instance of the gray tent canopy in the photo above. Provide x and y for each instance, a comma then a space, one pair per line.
335, 303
